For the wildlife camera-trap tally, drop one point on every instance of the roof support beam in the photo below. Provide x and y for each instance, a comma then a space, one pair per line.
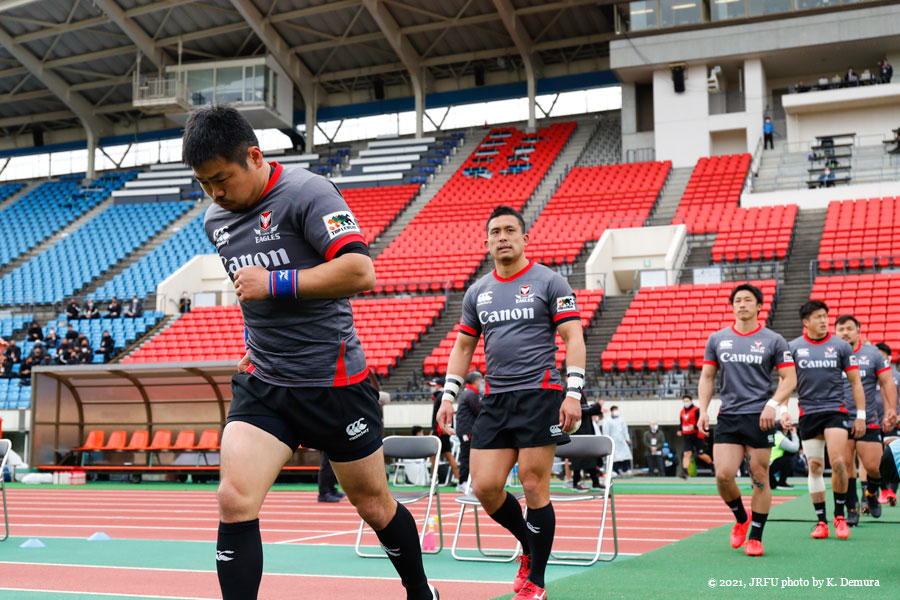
533, 63
94, 126
134, 32
281, 51
418, 74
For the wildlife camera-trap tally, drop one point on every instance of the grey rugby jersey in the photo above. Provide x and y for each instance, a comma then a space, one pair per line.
871, 365
301, 222
518, 317
746, 362
820, 372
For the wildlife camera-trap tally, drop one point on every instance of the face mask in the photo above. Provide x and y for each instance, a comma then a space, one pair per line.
688, 404
654, 428
614, 414
481, 387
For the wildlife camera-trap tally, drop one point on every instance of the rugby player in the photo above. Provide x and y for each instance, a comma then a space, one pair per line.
889, 490
295, 254
525, 413
746, 353
875, 373
822, 362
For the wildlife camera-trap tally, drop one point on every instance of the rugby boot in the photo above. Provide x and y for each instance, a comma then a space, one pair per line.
524, 571
841, 530
821, 531
739, 533
531, 592
753, 548
874, 507
853, 517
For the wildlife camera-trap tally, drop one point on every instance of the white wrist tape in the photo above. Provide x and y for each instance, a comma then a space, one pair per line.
772, 403
574, 381
861, 414
780, 411
573, 394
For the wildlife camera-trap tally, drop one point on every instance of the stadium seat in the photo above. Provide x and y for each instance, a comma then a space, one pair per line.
879, 218
714, 187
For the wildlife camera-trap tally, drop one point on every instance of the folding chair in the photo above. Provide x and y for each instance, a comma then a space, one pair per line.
484, 554
590, 446
411, 447
5, 447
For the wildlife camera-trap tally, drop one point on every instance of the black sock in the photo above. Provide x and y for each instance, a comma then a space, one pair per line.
400, 541
737, 507
576, 477
510, 516
757, 523
840, 500
873, 485
852, 498
541, 529
239, 560
821, 513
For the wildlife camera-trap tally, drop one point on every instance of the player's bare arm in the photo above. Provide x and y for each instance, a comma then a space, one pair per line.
787, 382
457, 366
344, 276
859, 399
576, 356
889, 398
705, 388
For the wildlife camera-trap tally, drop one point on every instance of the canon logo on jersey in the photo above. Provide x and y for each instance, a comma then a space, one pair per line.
817, 364
741, 358
269, 258
497, 316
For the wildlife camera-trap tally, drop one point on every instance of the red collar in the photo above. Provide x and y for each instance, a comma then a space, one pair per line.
758, 327
530, 264
273, 179
812, 341
469, 386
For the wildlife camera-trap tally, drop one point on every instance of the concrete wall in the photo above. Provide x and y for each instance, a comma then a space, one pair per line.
730, 141
681, 130
620, 253
203, 273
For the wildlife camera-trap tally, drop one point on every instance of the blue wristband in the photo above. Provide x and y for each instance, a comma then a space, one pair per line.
283, 284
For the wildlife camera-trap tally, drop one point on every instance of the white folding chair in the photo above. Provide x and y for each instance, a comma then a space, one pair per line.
413, 447
601, 447
484, 554
5, 447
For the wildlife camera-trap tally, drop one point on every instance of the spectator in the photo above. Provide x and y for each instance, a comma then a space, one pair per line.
469, 407
13, 353
25, 371
417, 430
35, 332
694, 440
826, 178
115, 309
91, 311
73, 311
616, 428
86, 355
885, 71
38, 352
74, 356
823, 82
589, 466
71, 334
328, 491
108, 347
52, 340
768, 134
781, 459
850, 77
136, 309
653, 444
184, 305
6, 370
62, 352
800, 87
437, 387
836, 81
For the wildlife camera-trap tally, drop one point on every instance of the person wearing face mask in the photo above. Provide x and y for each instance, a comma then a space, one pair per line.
469, 407
588, 466
654, 439
694, 440
616, 428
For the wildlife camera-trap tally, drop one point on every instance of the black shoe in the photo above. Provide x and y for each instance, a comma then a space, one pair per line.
329, 497
852, 517
784, 486
874, 506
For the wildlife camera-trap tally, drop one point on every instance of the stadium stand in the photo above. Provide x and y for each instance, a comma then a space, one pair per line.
861, 233
124, 330
396, 161
75, 260
376, 207
142, 277
50, 206
754, 233
652, 338
715, 185
13, 323
9, 189
446, 235
589, 302
870, 298
591, 200
387, 327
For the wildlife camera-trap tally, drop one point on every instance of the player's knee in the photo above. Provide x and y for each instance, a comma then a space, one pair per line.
375, 510
724, 475
235, 505
488, 495
839, 464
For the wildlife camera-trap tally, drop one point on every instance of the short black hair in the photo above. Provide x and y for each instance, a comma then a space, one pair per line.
416, 429
501, 210
884, 348
844, 318
216, 131
746, 287
811, 307
688, 396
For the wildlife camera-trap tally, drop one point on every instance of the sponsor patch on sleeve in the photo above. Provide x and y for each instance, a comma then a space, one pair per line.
566, 303
787, 357
341, 222
853, 361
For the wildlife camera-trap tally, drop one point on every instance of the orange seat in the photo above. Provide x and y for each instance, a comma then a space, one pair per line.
209, 440
94, 440
185, 440
139, 440
116, 441
162, 440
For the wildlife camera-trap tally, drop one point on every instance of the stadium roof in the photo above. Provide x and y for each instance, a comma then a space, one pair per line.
61, 59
